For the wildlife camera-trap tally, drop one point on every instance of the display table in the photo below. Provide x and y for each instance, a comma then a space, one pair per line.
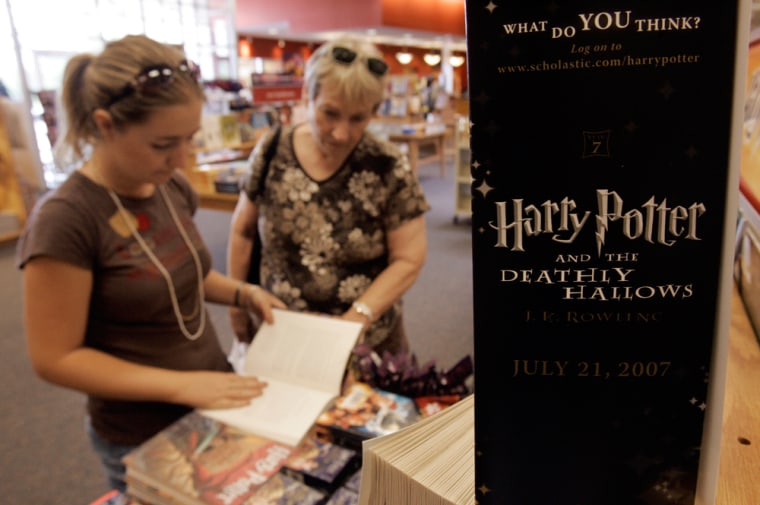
207, 164
418, 138
740, 441
202, 179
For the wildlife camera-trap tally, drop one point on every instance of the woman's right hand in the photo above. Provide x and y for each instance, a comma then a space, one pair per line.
218, 390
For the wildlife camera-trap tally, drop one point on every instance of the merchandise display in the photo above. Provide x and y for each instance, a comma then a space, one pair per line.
198, 460
321, 464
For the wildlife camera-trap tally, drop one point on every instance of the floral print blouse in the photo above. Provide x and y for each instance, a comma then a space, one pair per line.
324, 242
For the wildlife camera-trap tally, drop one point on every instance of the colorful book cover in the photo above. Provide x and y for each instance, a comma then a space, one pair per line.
429, 405
605, 177
142, 493
114, 497
201, 460
343, 496
365, 412
321, 464
281, 489
230, 130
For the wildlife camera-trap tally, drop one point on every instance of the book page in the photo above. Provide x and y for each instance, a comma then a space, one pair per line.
303, 358
284, 413
305, 349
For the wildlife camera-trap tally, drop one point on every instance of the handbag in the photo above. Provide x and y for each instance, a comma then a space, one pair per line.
254, 269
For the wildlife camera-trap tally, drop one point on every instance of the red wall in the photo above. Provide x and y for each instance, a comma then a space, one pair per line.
308, 15
442, 16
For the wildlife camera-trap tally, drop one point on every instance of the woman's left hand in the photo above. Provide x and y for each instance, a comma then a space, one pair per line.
260, 301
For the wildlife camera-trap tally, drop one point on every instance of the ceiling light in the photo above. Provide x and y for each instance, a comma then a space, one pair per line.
245, 48
404, 57
432, 59
456, 60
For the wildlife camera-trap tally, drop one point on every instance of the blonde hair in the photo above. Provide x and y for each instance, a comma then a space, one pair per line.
92, 81
353, 81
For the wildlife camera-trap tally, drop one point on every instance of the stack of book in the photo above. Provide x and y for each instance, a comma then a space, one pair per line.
348, 493
200, 461
364, 412
300, 442
114, 497
322, 465
430, 462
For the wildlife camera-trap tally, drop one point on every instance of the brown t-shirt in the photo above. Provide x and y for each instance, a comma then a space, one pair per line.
130, 314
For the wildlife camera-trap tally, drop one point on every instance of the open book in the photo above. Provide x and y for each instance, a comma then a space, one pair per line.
303, 358
430, 462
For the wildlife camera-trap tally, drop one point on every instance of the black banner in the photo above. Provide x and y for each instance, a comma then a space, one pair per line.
600, 138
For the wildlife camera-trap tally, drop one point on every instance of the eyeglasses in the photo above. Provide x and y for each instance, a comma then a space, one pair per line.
155, 77
347, 56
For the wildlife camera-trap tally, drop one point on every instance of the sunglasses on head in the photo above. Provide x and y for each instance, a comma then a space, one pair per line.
154, 77
347, 56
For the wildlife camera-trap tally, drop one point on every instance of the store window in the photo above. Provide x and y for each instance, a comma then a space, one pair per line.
40, 45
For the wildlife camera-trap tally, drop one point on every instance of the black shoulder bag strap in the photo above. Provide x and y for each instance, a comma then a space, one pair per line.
268, 155
254, 276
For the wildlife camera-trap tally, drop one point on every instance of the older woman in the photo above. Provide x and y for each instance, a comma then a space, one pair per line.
341, 213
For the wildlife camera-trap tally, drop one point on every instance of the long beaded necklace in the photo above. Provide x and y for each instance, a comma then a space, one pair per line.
172, 293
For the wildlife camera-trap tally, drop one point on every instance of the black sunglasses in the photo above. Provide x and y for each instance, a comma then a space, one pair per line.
155, 77
345, 55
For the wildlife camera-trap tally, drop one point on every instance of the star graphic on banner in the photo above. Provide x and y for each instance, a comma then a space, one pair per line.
484, 188
492, 128
482, 98
475, 165
667, 90
484, 489
491, 6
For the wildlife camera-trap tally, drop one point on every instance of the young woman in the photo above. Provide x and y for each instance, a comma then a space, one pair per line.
342, 214
115, 272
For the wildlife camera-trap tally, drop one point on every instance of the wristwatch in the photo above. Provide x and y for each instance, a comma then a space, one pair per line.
363, 309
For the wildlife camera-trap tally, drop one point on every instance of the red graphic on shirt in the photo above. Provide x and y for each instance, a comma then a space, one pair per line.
143, 222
